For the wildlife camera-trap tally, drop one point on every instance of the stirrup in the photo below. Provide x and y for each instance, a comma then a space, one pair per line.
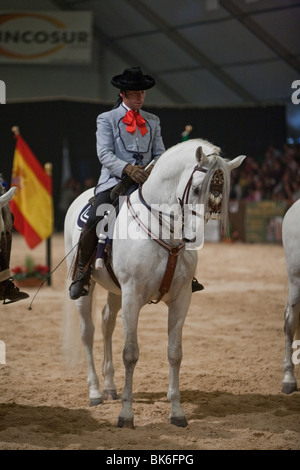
196, 286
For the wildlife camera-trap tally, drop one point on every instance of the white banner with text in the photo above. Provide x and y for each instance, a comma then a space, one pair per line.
55, 37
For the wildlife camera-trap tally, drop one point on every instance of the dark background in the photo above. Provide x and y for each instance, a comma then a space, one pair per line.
47, 126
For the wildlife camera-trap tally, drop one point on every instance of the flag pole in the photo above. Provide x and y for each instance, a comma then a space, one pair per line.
48, 170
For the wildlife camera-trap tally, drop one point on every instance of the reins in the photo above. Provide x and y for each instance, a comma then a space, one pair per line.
173, 250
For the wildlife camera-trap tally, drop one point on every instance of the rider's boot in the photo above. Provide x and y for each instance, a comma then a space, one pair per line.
8, 290
196, 286
10, 293
86, 250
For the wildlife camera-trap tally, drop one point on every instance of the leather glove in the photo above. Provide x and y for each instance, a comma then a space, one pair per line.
136, 173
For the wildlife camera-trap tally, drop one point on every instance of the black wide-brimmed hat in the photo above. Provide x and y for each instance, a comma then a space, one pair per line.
133, 79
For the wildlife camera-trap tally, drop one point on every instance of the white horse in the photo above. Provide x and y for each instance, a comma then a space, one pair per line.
6, 221
5, 216
187, 175
291, 245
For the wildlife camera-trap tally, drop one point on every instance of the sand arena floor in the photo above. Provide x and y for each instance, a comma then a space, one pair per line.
231, 373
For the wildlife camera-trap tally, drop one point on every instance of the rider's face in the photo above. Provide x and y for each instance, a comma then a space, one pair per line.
133, 99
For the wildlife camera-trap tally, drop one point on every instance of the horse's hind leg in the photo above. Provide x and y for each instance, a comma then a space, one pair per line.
176, 318
291, 323
109, 315
84, 307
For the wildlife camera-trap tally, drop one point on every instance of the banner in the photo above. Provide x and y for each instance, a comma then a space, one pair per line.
263, 221
32, 204
56, 37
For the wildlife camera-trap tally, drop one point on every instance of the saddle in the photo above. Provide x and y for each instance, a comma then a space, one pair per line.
106, 228
105, 240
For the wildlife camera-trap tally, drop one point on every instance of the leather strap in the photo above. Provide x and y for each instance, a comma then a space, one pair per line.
173, 251
172, 259
169, 273
107, 258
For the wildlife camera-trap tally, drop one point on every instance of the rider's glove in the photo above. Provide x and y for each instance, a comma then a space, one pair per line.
136, 173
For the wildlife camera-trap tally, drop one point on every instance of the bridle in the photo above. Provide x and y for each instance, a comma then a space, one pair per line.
183, 201
173, 250
186, 192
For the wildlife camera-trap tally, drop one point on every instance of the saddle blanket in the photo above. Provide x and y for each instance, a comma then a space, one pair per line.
104, 233
83, 216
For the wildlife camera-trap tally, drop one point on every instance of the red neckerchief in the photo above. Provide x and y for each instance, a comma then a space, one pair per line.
133, 119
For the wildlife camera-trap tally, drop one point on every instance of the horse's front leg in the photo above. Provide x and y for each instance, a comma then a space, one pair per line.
109, 315
291, 323
84, 307
130, 315
176, 318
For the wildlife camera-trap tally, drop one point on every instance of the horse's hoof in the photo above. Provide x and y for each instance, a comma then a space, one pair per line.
179, 422
110, 395
288, 387
95, 401
125, 423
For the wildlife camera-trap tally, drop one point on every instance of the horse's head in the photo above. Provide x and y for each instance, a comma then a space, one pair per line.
209, 184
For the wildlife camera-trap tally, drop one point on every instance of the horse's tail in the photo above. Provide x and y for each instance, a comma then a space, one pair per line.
72, 348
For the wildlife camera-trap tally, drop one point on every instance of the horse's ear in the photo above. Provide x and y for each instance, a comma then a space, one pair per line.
6, 197
236, 162
200, 156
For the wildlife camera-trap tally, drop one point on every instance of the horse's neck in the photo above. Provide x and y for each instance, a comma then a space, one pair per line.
162, 185
159, 195
159, 191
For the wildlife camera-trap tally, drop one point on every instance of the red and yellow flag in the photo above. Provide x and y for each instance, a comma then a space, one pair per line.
32, 204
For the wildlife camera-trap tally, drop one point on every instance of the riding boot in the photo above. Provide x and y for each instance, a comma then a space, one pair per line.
196, 286
86, 250
8, 290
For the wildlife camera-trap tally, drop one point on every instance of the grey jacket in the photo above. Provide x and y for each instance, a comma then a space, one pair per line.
116, 147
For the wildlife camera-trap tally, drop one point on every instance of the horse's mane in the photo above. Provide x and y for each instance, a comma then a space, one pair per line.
189, 147
216, 162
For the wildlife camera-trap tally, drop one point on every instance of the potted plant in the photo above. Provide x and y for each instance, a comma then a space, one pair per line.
31, 274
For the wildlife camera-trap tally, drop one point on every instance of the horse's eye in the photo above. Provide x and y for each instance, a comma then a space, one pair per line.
196, 191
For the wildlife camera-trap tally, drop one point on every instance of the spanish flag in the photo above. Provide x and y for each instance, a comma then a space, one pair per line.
32, 204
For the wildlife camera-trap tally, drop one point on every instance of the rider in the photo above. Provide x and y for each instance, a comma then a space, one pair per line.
128, 138
8, 290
